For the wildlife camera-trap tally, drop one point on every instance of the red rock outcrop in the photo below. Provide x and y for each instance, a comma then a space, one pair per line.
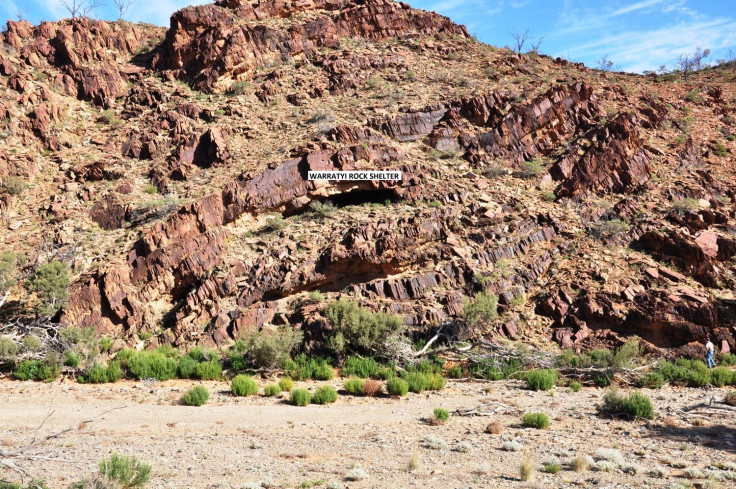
85, 50
522, 133
178, 253
683, 252
209, 45
613, 161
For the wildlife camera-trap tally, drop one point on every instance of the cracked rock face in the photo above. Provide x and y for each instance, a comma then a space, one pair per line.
168, 169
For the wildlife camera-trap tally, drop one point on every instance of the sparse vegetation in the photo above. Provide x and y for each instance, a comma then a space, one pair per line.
300, 397
526, 470
535, 420
353, 386
357, 330
196, 396
635, 405
362, 367
397, 387
482, 309
543, 380
50, 282
271, 390
270, 349
286, 384
125, 472
243, 385
441, 415
324, 394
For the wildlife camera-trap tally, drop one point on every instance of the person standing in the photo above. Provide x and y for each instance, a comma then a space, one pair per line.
709, 352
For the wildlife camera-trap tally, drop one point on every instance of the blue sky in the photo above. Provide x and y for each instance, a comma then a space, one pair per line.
636, 35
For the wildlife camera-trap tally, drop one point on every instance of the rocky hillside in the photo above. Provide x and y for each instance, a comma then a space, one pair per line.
167, 169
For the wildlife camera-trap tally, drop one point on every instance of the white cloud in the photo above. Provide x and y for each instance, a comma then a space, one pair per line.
645, 50
635, 6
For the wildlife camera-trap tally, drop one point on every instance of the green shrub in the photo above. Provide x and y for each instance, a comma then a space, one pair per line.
428, 367
483, 309
316, 296
48, 371
8, 348
324, 372
15, 185
575, 386
531, 169
301, 367
324, 395
493, 370
435, 382
187, 367
243, 385
396, 386
602, 380
125, 472
441, 414
271, 349
456, 372
360, 367
625, 354
236, 357
50, 282
358, 330
100, 374
691, 373
272, 390
635, 405
34, 484
567, 359
353, 386
385, 373
286, 384
32, 343
417, 382
551, 468
196, 396
535, 420
211, 370
197, 354
596, 358
721, 376
71, 359
27, 370
153, 364
300, 397
724, 359
105, 344
541, 380
610, 229
651, 380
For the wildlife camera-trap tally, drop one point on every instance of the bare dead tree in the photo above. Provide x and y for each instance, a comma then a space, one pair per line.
535, 43
80, 8
13, 458
519, 39
22, 14
687, 63
604, 64
122, 6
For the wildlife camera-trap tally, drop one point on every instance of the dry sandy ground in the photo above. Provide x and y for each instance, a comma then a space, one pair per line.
252, 442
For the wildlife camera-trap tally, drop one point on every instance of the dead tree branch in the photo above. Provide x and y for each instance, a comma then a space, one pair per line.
10, 458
